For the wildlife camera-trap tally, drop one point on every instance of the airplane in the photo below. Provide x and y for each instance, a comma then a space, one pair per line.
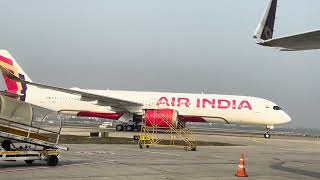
133, 105
264, 34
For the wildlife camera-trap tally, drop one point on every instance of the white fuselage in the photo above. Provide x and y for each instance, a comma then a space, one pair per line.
207, 107
190, 107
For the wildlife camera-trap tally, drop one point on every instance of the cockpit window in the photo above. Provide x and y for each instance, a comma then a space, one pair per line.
276, 108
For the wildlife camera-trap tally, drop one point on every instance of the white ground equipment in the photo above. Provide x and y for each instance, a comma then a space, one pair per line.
23, 138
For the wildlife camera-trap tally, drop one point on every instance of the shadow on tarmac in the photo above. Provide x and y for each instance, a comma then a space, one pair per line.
279, 166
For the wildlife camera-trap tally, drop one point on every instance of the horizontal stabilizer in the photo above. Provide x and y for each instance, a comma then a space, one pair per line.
9, 94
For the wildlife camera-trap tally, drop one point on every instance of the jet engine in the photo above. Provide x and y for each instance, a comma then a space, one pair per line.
161, 118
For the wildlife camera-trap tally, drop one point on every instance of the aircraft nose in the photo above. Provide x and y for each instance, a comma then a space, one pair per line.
286, 118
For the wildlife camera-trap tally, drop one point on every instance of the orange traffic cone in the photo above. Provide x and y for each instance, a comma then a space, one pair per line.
241, 171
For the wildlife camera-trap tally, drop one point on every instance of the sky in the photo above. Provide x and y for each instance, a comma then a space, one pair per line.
166, 45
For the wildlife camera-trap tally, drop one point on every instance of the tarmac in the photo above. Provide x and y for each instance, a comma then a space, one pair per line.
275, 158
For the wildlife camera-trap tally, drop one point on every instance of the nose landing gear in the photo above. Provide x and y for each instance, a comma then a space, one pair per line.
267, 133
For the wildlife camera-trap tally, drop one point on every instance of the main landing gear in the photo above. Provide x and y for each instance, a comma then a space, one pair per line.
129, 126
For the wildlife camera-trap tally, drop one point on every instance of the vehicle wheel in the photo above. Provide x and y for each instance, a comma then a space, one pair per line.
139, 128
266, 135
28, 161
119, 127
129, 128
147, 146
52, 160
136, 138
193, 149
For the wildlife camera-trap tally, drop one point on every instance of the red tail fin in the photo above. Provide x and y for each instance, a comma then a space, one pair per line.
12, 86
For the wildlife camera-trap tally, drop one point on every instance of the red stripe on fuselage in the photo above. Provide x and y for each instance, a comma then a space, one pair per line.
191, 119
114, 116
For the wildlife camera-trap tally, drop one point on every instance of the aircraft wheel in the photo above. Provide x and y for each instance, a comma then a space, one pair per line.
119, 127
266, 135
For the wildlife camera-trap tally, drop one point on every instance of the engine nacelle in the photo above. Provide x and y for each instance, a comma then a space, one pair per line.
161, 118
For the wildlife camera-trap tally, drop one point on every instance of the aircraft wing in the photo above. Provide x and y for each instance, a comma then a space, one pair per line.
264, 34
298, 42
85, 96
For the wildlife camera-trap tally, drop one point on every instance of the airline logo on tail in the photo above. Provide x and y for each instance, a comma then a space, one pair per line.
266, 26
13, 86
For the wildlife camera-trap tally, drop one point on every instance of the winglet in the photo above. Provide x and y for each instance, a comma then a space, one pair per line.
265, 28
